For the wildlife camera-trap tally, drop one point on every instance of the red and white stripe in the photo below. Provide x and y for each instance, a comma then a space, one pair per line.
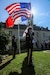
21, 14
12, 7
21, 10
25, 13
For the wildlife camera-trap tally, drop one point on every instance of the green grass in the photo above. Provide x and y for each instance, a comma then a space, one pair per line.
41, 63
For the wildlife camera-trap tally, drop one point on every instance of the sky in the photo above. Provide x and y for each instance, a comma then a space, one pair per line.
39, 8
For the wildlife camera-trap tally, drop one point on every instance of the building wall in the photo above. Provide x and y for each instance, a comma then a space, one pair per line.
15, 32
40, 36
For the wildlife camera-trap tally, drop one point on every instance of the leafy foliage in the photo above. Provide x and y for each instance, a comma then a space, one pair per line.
4, 39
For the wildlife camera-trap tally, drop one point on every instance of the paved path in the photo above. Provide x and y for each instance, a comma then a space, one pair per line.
5, 61
46, 51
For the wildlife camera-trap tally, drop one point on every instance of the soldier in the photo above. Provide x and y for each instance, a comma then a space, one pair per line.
14, 46
29, 44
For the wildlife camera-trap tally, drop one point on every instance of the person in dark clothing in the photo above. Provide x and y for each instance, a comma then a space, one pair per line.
45, 45
14, 46
37, 44
29, 44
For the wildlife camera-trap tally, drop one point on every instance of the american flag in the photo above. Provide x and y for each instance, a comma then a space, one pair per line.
17, 10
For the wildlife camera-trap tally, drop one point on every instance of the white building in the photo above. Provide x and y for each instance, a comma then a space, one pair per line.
41, 34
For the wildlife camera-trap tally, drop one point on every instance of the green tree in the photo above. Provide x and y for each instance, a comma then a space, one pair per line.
4, 39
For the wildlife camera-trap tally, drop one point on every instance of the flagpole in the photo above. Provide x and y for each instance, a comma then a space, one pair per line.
19, 39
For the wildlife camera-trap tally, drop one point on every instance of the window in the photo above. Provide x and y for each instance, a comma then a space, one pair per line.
49, 37
21, 34
10, 32
43, 35
37, 34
